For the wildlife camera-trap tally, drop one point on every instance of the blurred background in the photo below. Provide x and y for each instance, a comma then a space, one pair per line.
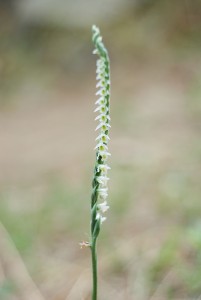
150, 246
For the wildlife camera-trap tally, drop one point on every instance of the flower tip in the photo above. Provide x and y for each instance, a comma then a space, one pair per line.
95, 29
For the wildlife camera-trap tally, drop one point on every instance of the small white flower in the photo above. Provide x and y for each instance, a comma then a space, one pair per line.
101, 147
103, 137
103, 118
100, 62
101, 71
103, 126
104, 155
101, 101
103, 168
102, 193
100, 76
101, 218
100, 67
102, 179
102, 109
103, 196
101, 83
102, 190
101, 92
103, 207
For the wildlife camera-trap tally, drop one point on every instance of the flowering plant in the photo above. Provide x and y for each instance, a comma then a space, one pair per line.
100, 189
99, 184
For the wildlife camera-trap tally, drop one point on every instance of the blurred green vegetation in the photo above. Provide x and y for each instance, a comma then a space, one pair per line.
7, 289
55, 216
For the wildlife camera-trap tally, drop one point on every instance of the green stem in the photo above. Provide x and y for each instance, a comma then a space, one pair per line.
94, 269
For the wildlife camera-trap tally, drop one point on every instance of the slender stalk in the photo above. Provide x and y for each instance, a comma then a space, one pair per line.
94, 270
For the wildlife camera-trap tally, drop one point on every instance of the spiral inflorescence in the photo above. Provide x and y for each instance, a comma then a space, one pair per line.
100, 190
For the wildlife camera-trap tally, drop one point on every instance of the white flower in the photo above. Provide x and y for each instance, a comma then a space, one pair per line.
100, 76
101, 146
102, 92
100, 61
103, 126
100, 65
101, 218
103, 137
103, 207
103, 168
95, 51
100, 101
103, 196
103, 118
103, 180
102, 109
102, 193
101, 83
104, 155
